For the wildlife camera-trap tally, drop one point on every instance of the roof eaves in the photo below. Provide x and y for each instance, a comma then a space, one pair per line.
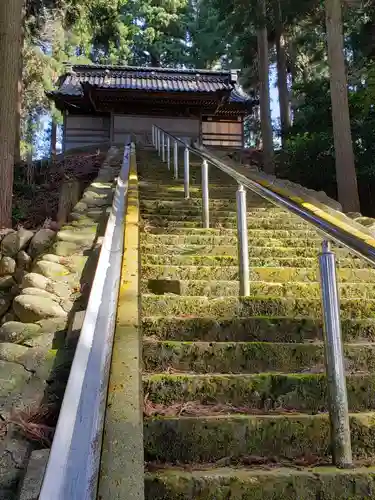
98, 67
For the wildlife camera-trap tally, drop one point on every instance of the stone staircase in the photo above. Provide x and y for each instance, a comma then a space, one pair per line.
234, 388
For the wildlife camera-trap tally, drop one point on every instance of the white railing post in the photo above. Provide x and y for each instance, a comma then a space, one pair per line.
175, 150
186, 173
163, 147
169, 152
243, 246
159, 142
334, 356
205, 196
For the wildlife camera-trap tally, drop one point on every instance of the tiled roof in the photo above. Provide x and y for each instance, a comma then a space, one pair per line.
151, 80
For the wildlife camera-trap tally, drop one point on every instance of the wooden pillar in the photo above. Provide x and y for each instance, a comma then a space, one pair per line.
69, 196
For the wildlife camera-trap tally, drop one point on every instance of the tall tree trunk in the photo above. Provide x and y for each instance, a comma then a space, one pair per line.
293, 75
17, 144
345, 167
10, 33
53, 139
155, 60
282, 78
264, 93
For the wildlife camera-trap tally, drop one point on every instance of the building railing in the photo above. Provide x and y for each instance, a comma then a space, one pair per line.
73, 466
333, 229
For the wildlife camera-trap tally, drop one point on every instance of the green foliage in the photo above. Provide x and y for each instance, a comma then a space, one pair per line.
215, 34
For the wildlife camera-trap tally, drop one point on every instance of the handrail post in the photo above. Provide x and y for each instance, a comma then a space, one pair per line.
337, 393
159, 141
175, 159
205, 196
186, 173
169, 152
153, 135
163, 147
243, 249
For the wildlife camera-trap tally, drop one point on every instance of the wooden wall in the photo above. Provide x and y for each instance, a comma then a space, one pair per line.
222, 133
141, 126
84, 130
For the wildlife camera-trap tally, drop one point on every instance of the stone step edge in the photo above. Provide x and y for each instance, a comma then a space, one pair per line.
239, 318
257, 283
240, 299
303, 483
258, 416
317, 343
254, 268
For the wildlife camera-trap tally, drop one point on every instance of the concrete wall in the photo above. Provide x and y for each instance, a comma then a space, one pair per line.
184, 128
85, 130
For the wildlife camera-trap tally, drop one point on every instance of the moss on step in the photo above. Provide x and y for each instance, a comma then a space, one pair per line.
249, 357
175, 209
277, 484
149, 187
301, 392
229, 240
189, 260
196, 196
250, 306
252, 233
251, 329
196, 203
211, 249
188, 221
229, 260
227, 288
290, 437
268, 274
151, 209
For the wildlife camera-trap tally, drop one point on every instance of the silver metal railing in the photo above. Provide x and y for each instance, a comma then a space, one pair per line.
336, 229
73, 465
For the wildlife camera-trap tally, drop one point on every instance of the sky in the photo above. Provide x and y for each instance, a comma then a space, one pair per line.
275, 111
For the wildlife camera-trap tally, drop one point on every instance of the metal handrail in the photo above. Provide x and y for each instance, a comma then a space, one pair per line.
73, 465
360, 246
344, 232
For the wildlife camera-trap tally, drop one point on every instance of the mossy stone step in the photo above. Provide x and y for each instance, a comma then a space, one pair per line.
196, 196
249, 357
196, 203
226, 288
231, 260
195, 178
264, 392
196, 211
215, 222
229, 240
251, 329
269, 274
171, 305
283, 437
154, 185
252, 233
212, 250
220, 216
324, 483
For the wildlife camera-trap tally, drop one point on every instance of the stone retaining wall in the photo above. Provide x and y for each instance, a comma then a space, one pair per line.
45, 279
294, 189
